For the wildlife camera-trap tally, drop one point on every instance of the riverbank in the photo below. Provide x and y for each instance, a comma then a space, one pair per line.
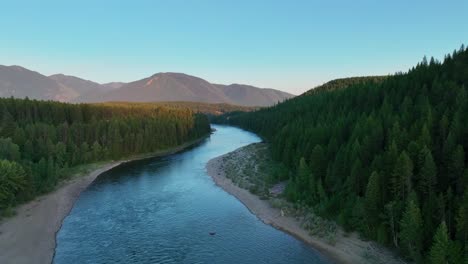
346, 248
30, 235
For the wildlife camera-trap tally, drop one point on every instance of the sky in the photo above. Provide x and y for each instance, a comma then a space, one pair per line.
288, 45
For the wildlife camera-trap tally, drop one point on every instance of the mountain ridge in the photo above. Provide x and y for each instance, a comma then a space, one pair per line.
20, 82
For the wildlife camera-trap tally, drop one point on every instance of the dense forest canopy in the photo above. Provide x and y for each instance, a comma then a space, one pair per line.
40, 140
205, 108
345, 82
386, 157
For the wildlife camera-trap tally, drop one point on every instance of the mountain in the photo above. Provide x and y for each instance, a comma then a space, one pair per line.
247, 95
114, 85
182, 87
80, 86
161, 87
19, 82
166, 87
86, 90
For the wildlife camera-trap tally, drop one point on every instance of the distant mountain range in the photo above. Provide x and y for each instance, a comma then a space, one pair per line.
20, 82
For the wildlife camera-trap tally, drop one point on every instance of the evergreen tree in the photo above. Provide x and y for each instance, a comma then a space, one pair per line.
39, 140
305, 179
438, 252
443, 250
428, 176
462, 220
457, 166
372, 199
318, 162
411, 227
402, 175
8, 126
12, 182
409, 127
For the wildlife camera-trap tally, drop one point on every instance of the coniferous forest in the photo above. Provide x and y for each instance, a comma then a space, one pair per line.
40, 141
384, 156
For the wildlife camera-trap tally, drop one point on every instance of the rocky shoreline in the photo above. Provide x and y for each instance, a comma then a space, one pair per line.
346, 248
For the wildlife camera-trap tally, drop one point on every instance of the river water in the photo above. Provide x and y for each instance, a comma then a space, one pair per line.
162, 210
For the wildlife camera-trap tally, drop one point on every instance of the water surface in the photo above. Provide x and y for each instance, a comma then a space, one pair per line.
162, 210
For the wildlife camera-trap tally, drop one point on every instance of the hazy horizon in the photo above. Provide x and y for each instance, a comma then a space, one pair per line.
290, 47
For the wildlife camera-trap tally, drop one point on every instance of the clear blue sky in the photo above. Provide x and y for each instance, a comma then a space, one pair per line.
288, 45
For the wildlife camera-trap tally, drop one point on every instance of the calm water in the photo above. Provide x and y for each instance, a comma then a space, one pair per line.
162, 211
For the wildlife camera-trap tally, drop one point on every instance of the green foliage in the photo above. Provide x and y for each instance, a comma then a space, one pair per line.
304, 178
345, 82
443, 249
410, 129
40, 140
462, 220
372, 200
411, 231
428, 174
198, 107
401, 180
9, 150
12, 182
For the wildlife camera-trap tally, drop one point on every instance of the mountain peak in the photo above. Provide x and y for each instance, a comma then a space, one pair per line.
57, 75
18, 68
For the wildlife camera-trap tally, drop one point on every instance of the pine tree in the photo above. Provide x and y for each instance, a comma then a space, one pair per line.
462, 220
402, 175
444, 250
12, 181
372, 197
51, 173
96, 150
457, 166
354, 180
428, 176
304, 178
438, 252
7, 125
321, 192
9, 150
318, 162
425, 138
411, 227
391, 217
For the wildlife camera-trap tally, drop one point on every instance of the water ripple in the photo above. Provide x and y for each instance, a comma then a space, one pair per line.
162, 211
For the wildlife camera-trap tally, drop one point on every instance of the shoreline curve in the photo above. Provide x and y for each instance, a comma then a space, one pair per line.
30, 235
348, 249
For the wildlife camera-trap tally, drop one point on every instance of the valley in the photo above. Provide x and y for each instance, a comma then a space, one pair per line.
251, 132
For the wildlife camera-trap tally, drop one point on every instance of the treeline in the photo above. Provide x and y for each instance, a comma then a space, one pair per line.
40, 141
198, 107
345, 82
387, 158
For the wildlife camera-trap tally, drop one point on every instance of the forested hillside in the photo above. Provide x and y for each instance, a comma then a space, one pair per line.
205, 108
40, 140
387, 158
345, 82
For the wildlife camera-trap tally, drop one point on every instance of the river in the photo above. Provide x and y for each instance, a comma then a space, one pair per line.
162, 210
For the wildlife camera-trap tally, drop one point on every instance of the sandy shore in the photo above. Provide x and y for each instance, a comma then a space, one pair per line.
29, 236
347, 249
